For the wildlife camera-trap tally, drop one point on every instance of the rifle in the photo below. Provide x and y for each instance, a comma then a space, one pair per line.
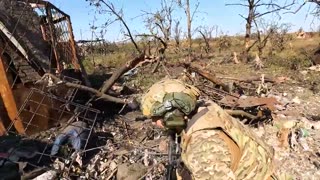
173, 155
174, 121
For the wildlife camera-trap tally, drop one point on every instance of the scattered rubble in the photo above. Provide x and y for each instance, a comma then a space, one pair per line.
125, 145
130, 147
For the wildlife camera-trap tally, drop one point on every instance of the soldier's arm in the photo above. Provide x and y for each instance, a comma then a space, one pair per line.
207, 156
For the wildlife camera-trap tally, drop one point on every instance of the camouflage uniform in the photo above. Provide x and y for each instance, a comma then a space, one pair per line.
218, 146
214, 145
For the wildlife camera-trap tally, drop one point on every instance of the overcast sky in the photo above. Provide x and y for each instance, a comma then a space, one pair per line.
211, 13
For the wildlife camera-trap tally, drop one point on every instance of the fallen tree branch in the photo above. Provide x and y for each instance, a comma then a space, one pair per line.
111, 174
249, 80
116, 75
82, 87
209, 76
33, 174
241, 113
150, 169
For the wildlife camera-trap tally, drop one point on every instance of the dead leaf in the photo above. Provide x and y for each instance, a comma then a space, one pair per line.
163, 146
282, 79
283, 136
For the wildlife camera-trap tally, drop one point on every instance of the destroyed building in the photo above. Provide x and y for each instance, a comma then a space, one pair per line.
46, 130
37, 38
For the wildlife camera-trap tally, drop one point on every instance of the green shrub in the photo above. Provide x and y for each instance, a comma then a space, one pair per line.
88, 65
290, 60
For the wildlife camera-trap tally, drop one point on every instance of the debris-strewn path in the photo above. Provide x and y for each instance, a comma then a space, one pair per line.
293, 132
298, 155
143, 148
128, 146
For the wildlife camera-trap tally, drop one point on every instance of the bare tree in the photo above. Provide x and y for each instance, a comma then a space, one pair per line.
257, 9
190, 15
206, 33
159, 23
279, 38
315, 1
119, 16
262, 36
316, 11
177, 33
224, 42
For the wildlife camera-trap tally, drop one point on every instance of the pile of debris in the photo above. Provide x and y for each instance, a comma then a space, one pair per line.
129, 146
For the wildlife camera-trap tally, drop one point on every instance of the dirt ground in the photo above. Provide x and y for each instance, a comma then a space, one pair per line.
128, 146
143, 147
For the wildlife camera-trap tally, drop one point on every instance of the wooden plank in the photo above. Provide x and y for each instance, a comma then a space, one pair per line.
8, 99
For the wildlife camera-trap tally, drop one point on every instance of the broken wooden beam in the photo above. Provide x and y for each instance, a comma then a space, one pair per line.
250, 80
241, 113
3, 130
116, 75
8, 99
97, 93
209, 76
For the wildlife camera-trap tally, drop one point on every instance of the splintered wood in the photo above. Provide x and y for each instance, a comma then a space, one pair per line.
207, 75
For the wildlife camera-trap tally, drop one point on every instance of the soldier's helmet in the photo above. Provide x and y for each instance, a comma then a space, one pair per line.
171, 99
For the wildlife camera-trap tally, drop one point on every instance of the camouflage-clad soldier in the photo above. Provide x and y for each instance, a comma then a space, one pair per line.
214, 144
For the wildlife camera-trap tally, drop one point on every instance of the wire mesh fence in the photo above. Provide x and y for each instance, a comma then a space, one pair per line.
36, 38
55, 127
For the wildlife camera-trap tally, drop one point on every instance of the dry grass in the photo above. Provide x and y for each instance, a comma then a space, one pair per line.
295, 57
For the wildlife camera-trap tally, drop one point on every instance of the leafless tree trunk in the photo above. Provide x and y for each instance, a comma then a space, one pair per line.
190, 16
206, 41
177, 34
249, 20
189, 24
262, 41
206, 33
253, 6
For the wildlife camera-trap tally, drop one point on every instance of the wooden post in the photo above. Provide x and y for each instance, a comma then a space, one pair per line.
2, 128
75, 60
8, 100
53, 37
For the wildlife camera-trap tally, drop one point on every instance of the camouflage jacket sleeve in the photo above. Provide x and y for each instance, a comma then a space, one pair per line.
207, 156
